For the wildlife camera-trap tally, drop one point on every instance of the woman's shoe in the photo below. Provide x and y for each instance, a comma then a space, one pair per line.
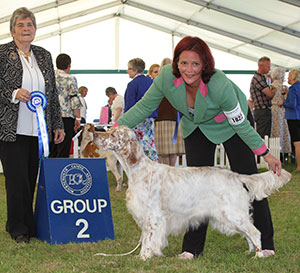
186, 256
268, 252
22, 239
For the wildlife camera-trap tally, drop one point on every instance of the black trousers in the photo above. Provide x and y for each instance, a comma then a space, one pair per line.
263, 119
200, 152
20, 165
63, 149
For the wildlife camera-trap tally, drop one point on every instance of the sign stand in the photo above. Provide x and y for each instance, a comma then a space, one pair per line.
73, 203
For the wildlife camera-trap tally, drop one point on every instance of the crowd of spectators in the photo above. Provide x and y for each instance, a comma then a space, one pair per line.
275, 108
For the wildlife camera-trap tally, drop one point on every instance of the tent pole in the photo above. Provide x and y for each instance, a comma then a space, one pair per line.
117, 42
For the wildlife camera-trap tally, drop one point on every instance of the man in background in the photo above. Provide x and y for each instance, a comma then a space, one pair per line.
261, 95
67, 89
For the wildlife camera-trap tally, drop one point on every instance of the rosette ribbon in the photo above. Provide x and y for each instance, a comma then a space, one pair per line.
37, 104
178, 117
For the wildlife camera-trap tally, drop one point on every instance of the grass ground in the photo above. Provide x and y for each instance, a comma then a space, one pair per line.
222, 254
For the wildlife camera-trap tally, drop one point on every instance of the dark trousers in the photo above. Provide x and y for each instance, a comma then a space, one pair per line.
200, 152
20, 165
63, 149
263, 119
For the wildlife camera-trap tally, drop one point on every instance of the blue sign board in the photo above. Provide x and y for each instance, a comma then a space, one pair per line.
73, 203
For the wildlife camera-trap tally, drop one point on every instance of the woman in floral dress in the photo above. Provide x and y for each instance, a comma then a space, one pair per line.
279, 123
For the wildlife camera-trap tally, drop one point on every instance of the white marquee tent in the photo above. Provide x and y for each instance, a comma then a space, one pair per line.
105, 34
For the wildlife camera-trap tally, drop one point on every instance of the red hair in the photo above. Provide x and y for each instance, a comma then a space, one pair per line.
199, 46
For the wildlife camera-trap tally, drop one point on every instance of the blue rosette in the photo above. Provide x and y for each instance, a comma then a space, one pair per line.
37, 104
37, 99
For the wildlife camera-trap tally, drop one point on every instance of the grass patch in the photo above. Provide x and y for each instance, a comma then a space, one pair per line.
222, 254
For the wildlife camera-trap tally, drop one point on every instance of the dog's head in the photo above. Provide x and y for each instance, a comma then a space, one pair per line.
87, 134
120, 139
87, 147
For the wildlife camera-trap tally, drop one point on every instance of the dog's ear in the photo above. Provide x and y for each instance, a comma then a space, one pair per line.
91, 128
125, 150
85, 152
133, 153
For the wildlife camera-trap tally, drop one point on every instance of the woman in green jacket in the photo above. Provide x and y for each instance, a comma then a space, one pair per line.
214, 110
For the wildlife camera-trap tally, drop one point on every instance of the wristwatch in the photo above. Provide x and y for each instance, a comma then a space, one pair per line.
265, 153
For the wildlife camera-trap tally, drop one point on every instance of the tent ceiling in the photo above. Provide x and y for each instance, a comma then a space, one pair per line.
249, 29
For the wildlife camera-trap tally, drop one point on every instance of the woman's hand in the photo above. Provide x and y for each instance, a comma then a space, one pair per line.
76, 125
59, 136
273, 162
285, 90
23, 95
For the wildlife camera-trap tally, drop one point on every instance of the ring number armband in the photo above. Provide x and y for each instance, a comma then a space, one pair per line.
235, 116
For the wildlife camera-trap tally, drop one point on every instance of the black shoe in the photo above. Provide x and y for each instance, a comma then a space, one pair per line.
22, 239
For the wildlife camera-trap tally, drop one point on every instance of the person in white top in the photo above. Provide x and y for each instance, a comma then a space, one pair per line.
117, 106
82, 90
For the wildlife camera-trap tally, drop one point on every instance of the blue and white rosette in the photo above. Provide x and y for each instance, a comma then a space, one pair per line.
37, 104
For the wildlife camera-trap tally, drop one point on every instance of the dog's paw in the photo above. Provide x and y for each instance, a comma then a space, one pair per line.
259, 254
144, 257
146, 254
119, 187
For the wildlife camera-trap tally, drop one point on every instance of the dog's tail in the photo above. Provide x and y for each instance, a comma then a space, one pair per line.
264, 184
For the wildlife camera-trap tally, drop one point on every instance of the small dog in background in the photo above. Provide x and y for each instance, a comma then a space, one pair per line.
165, 200
89, 150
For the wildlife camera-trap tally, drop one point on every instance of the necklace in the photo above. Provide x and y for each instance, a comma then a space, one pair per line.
26, 55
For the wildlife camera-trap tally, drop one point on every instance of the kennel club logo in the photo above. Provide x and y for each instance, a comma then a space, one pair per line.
76, 179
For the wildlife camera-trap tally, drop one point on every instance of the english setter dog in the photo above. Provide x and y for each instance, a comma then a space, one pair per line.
89, 150
165, 200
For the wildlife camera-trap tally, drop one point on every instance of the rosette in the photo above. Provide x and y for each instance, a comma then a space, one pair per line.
37, 104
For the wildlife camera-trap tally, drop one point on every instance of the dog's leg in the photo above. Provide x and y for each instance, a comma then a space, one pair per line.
120, 171
119, 175
112, 164
251, 246
252, 234
154, 237
238, 221
119, 182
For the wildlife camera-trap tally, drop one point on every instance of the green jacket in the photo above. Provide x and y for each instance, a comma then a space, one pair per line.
220, 108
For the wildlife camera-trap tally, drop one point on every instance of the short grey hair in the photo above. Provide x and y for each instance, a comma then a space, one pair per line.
263, 59
278, 73
295, 74
137, 64
21, 13
110, 91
